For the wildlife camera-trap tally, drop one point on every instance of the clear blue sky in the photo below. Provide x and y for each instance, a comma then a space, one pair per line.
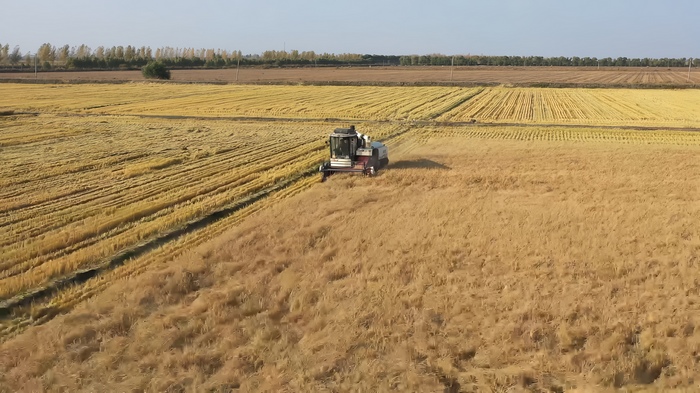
601, 28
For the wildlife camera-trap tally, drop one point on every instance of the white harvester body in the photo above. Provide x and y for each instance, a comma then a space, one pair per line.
352, 151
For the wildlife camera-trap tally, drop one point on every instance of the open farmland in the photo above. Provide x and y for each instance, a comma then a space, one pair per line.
473, 264
77, 193
293, 102
549, 245
610, 107
605, 76
600, 107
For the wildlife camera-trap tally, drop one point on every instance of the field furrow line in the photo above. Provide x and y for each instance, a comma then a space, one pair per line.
12, 265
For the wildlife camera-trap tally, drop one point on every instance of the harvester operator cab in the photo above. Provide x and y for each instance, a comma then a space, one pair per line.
344, 143
342, 146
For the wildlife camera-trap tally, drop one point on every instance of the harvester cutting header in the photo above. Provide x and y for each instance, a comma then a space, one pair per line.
354, 152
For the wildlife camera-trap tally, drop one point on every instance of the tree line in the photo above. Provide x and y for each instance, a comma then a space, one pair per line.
524, 61
83, 57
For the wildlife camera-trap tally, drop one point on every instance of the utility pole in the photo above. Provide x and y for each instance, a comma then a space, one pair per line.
36, 76
238, 68
452, 68
690, 63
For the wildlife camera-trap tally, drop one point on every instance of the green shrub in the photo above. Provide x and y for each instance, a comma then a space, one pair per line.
155, 70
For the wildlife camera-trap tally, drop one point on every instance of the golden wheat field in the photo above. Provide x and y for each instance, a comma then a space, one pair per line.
159, 237
608, 107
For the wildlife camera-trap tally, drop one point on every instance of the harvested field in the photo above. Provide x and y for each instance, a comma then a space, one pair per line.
612, 107
469, 265
77, 192
387, 75
161, 237
297, 102
609, 107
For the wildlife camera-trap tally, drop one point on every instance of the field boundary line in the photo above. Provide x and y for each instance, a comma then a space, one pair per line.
550, 85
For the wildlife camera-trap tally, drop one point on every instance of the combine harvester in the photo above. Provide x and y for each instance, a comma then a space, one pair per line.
354, 152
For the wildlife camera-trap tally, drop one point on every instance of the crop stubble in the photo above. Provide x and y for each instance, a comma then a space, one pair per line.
474, 263
91, 174
85, 180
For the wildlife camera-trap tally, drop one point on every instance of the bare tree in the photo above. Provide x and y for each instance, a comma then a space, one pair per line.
144, 53
4, 52
47, 52
83, 52
15, 56
63, 53
129, 53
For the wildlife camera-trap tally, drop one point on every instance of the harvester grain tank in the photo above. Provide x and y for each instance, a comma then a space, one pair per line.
354, 152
